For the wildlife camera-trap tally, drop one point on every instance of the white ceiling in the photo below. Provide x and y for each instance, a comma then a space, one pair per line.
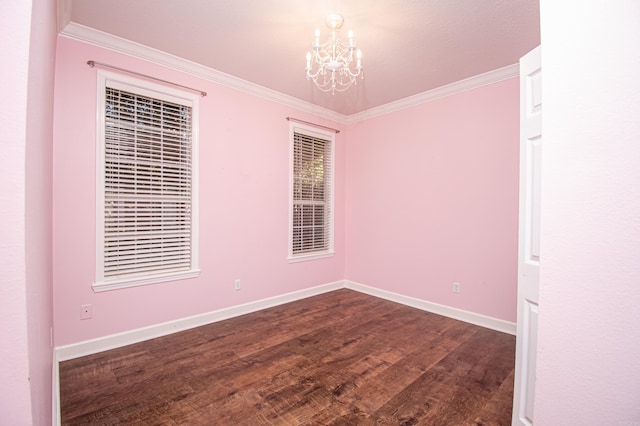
409, 46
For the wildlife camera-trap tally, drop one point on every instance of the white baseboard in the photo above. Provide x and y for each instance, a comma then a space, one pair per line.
88, 347
447, 311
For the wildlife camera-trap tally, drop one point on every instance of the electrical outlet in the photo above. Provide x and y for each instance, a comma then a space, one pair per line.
86, 312
237, 284
456, 287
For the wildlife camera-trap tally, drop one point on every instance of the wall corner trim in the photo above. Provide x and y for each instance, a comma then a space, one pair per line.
447, 311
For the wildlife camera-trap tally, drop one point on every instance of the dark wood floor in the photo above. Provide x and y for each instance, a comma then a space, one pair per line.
341, 358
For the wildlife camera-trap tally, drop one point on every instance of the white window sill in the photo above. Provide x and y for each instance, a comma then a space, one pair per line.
310, 256
146, 280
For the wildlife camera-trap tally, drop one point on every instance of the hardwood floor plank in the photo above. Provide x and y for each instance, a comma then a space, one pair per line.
460, 384
340, 358
497, 411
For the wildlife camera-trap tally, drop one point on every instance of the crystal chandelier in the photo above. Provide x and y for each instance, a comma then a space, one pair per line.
331, 64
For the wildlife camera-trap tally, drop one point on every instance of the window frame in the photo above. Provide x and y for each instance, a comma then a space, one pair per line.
144, 88
329, 137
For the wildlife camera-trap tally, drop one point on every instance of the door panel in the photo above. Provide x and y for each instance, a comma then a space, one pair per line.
528, 237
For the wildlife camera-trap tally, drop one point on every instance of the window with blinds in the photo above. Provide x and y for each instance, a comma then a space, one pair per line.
311, 194
147, 187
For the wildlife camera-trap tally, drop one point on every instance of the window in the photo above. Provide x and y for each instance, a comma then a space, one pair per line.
147, 221
311, 194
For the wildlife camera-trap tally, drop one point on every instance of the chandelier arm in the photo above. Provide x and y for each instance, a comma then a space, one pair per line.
314, 74
354, 74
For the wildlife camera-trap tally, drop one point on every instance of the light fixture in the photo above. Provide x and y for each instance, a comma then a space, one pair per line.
331, 64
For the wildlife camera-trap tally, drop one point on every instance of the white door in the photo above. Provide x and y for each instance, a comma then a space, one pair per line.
528, 237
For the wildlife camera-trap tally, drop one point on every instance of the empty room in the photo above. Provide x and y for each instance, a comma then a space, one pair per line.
320, 212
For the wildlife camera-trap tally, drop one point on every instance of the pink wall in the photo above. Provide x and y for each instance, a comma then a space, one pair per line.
244, 161
432, 198
458, 220
589, 335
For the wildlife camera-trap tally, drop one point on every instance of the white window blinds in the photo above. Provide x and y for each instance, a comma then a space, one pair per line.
312, 199
148, 186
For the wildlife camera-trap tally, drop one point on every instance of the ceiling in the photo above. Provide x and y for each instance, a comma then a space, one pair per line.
409, 46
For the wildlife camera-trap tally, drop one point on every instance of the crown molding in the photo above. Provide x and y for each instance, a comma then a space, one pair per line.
64, 14
470, 83
117, 44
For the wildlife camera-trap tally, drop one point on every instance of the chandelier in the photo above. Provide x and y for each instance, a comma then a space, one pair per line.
331, 64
